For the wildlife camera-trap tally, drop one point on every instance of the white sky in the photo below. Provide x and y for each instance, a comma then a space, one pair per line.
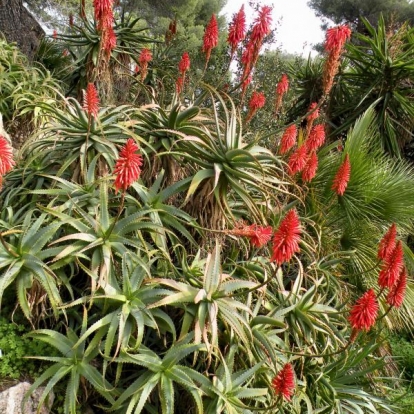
298, 29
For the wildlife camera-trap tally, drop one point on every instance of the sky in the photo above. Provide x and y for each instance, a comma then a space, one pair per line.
298, 29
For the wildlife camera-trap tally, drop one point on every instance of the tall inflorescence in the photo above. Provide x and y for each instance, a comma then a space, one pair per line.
145, 57
340, 182
259, 236
336, 38
261, 28
281, 89
91, 101
128, 166
313, 114
171, 32
237, 30
392, 277
183, 68
210, 38
364, 313
284, 382
286, 238
256, 102
104, 17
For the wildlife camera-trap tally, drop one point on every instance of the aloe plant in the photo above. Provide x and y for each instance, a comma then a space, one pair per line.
24, 262
163, 374
209, 303
230, 390
124, 308
77, 363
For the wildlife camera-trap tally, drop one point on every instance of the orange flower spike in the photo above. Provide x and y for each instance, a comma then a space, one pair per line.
396, 294
257, 101
128, 166
109, 40
364, 313
262, 25
309, 170
316, 137
284, 382
336, 38
342, 177
91, 101
103, 13
286, 238
259, 236
6, 156
283, 85
210, 38
145, 57
288, 139
179, 84
281, 89
392, 267
184, 64
237, 29
387, 243
297, 160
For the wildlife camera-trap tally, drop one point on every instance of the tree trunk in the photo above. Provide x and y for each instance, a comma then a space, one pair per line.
19, 26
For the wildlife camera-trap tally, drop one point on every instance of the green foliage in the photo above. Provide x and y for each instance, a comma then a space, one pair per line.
403, 350
351, 11
23, 88
381, 64
162, 297
15, 347
403, 398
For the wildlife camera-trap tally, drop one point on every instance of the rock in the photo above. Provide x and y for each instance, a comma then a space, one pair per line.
3, 132
11, 400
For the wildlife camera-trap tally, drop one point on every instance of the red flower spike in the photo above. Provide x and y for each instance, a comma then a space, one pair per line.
245, 84
309, 170
364, 313
392, 267
184, 63
237, 29
396, 294
281, 89
286, 238
128, 166
103, 13
336, 38
283, 85
109, 40
256, 102
297, 160
288, 139
247, 55
284, 382
259, 236
6, 156
316, 137
313, 112
342, 177
210, 38
145, 56
70, 19
179, 84
262, 25
91, 100
387, 243
55, 34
